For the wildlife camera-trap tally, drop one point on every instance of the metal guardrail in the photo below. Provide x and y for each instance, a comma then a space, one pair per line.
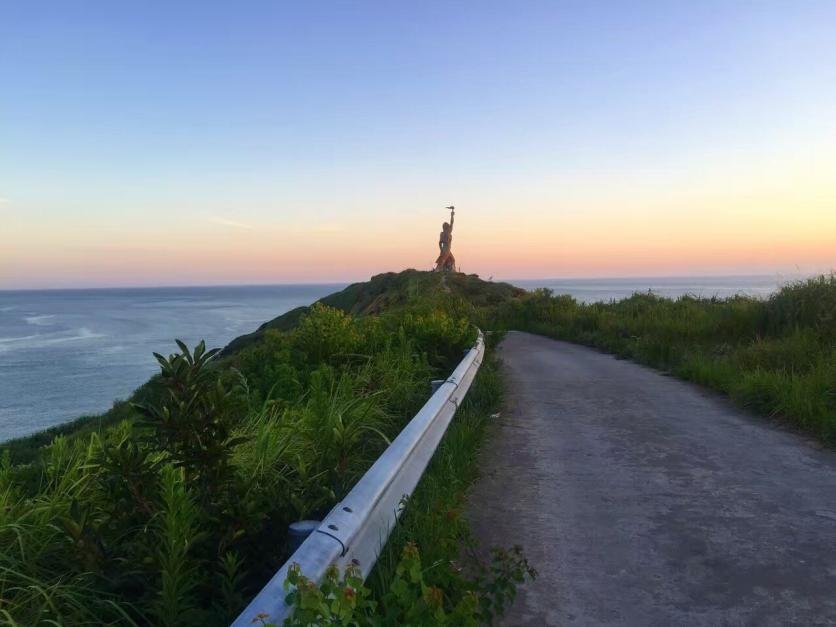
357, 528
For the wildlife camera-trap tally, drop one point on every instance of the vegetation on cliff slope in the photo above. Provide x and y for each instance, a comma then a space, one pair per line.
173, 510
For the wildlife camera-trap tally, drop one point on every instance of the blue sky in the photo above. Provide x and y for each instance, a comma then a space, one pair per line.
326, 127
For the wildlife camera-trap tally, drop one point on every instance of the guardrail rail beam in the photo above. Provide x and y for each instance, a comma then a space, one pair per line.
356, 529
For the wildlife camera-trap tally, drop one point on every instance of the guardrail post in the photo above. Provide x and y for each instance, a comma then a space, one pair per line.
298, 531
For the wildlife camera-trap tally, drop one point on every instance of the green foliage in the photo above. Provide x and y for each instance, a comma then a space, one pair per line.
195, 423
775, 356
807, 304
174, 510
335, 601
175, 513
433, 518
178, 531
458, 295
410, 599
324, 333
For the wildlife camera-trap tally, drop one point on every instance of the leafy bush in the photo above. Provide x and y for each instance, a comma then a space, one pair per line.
411, 599
325, 333
194, 425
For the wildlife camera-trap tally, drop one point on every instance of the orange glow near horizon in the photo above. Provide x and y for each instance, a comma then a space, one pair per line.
560, 247
144, 148
765, 221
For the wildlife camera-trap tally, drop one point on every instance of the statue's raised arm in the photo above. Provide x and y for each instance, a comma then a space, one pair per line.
452, 216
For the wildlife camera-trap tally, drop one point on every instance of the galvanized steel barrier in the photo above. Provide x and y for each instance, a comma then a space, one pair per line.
356, 529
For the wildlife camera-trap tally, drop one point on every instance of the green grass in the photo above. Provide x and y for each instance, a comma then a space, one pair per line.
775, 357
434, 517
173, 509
431, 571
175, 512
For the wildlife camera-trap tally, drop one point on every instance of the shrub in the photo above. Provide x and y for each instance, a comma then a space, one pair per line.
410, 600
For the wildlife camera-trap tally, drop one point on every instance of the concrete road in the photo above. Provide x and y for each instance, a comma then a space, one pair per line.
643, 500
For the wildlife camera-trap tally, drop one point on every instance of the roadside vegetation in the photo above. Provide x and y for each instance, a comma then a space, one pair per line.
775, 357
173, 509
431, 571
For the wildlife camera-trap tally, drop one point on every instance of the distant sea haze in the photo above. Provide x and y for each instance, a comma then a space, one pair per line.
68, 353
595, 290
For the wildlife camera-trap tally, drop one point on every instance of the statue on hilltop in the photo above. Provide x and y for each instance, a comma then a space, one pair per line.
446, 262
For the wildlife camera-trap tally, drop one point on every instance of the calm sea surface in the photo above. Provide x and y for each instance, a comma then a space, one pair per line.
66, 353
592, 290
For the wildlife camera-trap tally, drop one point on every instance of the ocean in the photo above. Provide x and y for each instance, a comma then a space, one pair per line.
595, 290
68, 353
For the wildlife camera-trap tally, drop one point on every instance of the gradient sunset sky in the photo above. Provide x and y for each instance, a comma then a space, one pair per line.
172, 143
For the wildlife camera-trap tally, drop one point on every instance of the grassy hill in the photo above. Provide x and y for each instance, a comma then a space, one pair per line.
392, 291
388, 292
173, 509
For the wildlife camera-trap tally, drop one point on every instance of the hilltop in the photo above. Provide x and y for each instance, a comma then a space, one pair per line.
222, 454
392, 291
185, 492
386, 292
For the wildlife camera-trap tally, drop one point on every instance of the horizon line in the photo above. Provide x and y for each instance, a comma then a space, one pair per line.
776, 275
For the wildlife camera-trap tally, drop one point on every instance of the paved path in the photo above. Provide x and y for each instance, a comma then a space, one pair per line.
643, 500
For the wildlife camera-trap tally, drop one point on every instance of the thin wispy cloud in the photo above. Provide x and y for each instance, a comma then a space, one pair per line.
3, 200
328, 227
233, 223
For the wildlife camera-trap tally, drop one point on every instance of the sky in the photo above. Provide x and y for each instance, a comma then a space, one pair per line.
173, 143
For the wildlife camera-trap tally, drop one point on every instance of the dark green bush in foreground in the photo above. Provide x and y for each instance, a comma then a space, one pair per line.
775, 356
